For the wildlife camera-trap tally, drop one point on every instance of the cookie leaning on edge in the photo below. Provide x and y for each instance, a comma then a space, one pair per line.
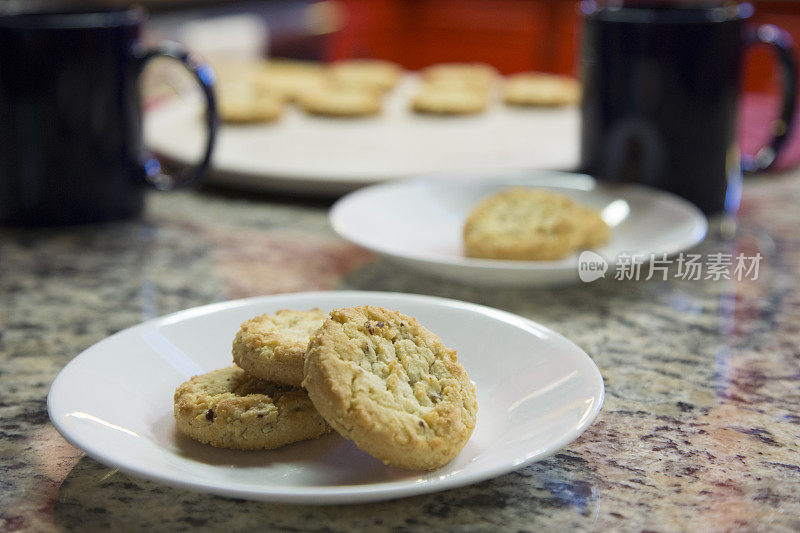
273, 347
229, 409
387, 383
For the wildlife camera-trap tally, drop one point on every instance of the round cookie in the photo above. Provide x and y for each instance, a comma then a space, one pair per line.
524, 224
229, 409
234, 72
391, 386
290, 79
292, 67
540, 89
372, 74
448, 101
455, 84
273, 347
476, 75
245, 106
240, 102
339, 101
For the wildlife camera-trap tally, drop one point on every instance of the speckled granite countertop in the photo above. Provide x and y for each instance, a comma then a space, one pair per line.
700, 427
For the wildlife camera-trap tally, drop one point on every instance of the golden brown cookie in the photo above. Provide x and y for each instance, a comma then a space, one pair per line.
289, 79
531, 224
476, 75
541, 89
455, 84
339, 101
384, 381
449, 101
273, 346
235, 72
229, 409
243, 104
371, 74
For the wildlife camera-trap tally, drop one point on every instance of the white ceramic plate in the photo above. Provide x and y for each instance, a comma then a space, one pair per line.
419, 223
311, 155
537, 392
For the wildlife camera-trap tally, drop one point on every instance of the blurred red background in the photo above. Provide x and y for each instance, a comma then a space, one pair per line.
512, 35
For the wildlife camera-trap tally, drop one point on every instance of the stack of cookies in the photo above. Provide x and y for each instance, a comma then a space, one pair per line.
375, 376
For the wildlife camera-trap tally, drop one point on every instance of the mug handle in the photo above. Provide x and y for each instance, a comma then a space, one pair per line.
781, 42
205, 78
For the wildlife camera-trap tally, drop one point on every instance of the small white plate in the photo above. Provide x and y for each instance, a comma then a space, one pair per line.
321, 156
537, 392
419, 222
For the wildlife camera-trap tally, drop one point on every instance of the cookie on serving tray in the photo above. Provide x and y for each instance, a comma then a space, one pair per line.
341, 101
373, 74
541, 89
289, 78
229, 409
476, 75
244, 104
273, 346
387, 383
448, 101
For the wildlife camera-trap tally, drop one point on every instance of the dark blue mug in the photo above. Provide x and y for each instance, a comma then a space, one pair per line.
660, 93
71, 143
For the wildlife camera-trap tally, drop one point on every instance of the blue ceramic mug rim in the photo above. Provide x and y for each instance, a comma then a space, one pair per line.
80, 19
657, 13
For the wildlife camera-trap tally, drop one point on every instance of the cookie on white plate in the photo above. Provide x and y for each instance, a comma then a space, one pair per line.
228, 408
531, 224
373, 74
245, 104
438, 100
475, 75
541, 89
390, 385
272, 346
340, 101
